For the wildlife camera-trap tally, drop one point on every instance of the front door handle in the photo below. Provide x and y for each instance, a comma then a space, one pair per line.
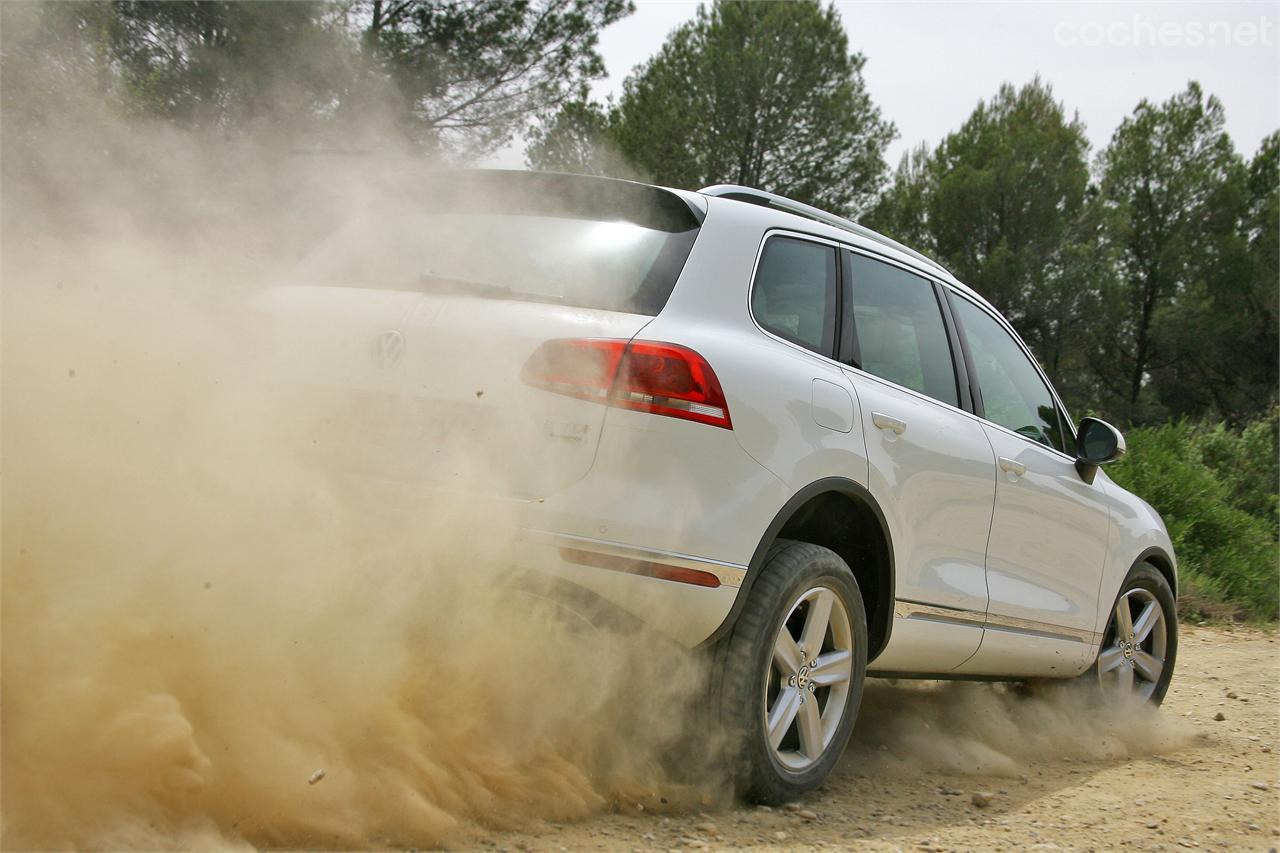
1012, 466
883, 421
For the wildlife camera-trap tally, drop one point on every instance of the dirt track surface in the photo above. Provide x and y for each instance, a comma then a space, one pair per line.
1179, 780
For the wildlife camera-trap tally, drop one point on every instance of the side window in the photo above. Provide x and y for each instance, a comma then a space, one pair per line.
899, 329
795, 293
1013, 394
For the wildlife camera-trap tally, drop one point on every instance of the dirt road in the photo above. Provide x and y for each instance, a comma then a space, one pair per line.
980, 767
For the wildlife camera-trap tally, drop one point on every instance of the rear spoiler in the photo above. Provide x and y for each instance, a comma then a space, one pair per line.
561, 194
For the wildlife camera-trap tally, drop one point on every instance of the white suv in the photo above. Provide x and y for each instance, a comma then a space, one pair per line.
763, 430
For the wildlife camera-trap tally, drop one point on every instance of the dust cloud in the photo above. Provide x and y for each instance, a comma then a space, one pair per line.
972, 728
208, 641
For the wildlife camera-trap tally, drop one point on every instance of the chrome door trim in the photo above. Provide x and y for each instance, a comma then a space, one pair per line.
1042, 629
903, 609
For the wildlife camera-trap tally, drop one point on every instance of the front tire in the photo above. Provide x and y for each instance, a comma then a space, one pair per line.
792, 672
1141, 643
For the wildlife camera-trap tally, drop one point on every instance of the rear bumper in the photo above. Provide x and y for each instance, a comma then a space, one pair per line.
686, 612
663, 498
642, 561
661, 491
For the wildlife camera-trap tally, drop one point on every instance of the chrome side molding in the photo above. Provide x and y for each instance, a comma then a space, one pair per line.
903, 609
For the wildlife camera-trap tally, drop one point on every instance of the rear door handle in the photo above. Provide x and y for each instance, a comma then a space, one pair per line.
1012, 467
883, 421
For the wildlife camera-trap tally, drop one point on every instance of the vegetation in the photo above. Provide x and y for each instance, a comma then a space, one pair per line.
1216, 489
761, 94
1174, 188
575, 139
758, 94
1149, 289
453, 78
473, 73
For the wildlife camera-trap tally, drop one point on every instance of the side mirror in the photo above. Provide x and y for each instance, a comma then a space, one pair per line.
1097, 443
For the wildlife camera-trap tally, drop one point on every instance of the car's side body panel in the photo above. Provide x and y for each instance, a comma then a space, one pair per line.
1054, 570
1044, 559
935, 480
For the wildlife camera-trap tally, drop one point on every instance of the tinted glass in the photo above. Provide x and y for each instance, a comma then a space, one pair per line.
1013, 394
795, 293
585, 242
899, 329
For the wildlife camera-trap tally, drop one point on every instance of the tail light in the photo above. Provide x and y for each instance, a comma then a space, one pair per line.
664, 379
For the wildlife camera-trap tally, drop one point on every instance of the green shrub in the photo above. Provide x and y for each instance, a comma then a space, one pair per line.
1216, 489
1249, 465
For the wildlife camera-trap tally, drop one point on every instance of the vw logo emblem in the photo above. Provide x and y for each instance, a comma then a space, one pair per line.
388, 348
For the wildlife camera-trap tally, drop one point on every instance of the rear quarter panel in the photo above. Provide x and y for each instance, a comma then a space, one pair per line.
769, 383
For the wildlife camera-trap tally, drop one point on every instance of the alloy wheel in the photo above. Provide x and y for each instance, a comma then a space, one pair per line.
1133, 654
807, 686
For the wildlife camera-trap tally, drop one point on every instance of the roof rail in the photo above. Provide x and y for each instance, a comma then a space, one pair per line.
755, 196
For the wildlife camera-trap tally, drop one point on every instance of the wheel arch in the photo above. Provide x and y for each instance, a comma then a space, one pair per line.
820, 514
1157, 557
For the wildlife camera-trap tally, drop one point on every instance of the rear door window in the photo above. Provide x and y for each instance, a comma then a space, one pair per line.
795, 293
899, 330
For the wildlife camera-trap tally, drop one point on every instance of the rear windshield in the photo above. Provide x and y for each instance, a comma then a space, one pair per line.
585, 242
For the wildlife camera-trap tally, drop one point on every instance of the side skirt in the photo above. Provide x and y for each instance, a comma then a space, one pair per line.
947, 676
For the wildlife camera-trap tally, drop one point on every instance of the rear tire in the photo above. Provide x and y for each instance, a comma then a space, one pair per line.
791, 672
1141, 642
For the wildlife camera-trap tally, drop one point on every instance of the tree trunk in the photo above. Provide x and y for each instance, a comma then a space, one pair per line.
1143, 354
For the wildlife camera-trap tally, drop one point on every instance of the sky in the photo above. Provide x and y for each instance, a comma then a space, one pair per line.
929, 63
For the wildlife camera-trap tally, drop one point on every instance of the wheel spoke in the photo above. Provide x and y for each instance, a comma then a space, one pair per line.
1110, 659
783, 715
1125, 676
832, 668
810, 723
1149, 667
1146, 620
1123, 619
815, 623
786, 654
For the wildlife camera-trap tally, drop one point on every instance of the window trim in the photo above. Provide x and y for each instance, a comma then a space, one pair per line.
959, 356
949, 290
837, 336
828, 360
850, 350
954, 293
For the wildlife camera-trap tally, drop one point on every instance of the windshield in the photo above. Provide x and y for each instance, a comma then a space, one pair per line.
535, 242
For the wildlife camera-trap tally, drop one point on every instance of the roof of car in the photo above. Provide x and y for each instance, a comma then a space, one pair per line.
782, 212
